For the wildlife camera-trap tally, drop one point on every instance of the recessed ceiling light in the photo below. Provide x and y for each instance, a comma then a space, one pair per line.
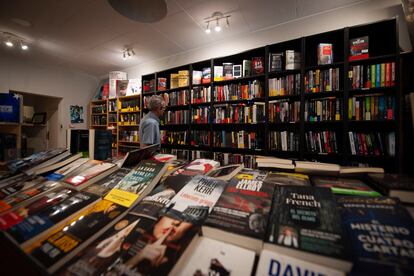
9, 43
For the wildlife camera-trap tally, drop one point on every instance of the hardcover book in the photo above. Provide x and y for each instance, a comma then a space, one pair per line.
257, 65
206, 256
197, 76
240, 215
206, 75
275, 62
285, 178
359, 48
292, 60
60, 245
273, 263
62, 172
226, 172
304, 224
218, 73
381, 233
344, 186
228, 70
34, 221
400, 186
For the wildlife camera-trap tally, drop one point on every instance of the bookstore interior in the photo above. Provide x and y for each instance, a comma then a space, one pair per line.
283, 137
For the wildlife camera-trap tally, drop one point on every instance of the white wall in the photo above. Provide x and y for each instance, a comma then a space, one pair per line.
75, 88
361, 13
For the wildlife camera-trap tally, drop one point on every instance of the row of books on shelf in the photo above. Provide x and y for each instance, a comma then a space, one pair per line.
99, 108
239, 113
287, 60
237, 139
283, 141
230, 92
373, 144
286, 85
99, 120
372, 75
322, 80
125, 219
129, 119
284, 111
177, 117
372, 107
128, 136
324, 142
326, 109
128, 105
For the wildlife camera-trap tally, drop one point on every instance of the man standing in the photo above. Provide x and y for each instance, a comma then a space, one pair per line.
149, 127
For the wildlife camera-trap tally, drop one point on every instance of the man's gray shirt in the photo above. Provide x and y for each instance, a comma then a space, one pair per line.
149, 129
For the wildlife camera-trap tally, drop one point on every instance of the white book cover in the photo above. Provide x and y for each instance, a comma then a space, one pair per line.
134, 87
272, 263
211, 257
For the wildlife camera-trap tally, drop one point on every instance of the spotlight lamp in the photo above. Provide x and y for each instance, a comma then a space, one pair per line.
127, 53
217, 17
10, 40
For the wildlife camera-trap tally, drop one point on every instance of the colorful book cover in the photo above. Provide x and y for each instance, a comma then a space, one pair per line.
359, 48
103, 186
198, 166
244, 206
62, 172
87, 171
381, 233
344, 186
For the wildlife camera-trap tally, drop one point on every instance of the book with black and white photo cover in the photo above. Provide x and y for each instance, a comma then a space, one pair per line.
274, 263
205, 256
103, 186
400, 186
305, 224
53, 250
226, 172
88, 173
32, 222
292, 60
240, 216
344, 186
109, 248
286, 178
275, 62
381, 234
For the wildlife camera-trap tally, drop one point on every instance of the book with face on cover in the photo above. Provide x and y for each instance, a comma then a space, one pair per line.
205, 256
240, 215
305, 224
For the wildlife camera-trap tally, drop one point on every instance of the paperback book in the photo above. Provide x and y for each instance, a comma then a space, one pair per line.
198, 166
400, 186
285, 178
60, 245
241, 214
103, 186
304, 224
381, 233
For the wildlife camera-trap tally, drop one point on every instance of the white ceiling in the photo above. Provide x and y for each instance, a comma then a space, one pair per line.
88, 35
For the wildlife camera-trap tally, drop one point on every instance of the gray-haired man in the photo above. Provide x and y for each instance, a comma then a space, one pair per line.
149, 127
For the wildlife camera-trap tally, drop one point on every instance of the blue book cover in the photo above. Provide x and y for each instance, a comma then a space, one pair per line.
381, 233
378, 75
9, 107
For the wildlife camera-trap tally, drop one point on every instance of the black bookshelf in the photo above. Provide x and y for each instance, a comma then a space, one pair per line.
383, 49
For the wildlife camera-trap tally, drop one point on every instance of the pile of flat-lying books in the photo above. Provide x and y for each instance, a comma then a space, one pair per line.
162, 216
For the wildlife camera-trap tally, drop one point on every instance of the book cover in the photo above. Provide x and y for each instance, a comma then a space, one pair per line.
197, 76
198, 166
103, 186
218, 73
54, 249
344, 186
304, 219
100, 144
257, 65
62, 172
359, 48
247, 68
40, 216
292, 60
9, 108
196, 199
275, 62
210, 257
273, 263
285, 178
22, 197
110, 247
86, 172
226, 172
14, 185
162, 84
325, 53
228, 70
140, 176
121, 87
381, 234
244, 206
134, 87
206, 77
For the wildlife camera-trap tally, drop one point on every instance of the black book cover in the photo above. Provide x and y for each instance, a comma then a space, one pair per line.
306, 219
244, 206
51, 249
381, 233
103, 186
103, 144
386, 182
79, 140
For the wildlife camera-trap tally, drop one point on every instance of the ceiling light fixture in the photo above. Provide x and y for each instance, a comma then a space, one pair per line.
11, 39
217, 17
127, 53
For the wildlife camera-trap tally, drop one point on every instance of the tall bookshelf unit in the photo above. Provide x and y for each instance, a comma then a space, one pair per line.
378, 133
121, 115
